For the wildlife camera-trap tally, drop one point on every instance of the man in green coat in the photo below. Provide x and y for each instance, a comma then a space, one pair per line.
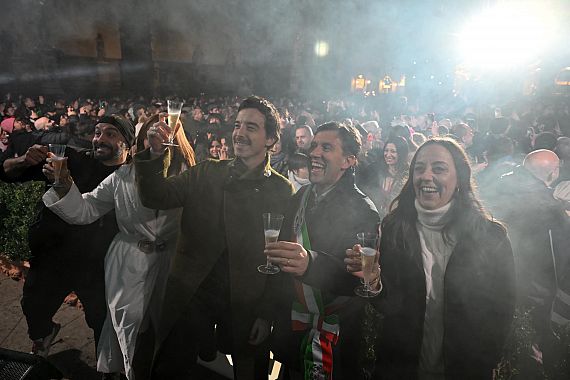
214, 280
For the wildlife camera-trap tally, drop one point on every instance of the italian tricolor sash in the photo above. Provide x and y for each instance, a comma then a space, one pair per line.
311, 313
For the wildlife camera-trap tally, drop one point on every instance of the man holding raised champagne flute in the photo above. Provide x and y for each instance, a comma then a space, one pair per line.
215, 298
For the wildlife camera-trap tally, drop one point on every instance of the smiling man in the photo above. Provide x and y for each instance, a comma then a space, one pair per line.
215, 298
322, 223
66, 257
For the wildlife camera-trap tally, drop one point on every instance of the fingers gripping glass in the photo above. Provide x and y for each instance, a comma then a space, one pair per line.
369, 255
271, 228
58, 151
174, 110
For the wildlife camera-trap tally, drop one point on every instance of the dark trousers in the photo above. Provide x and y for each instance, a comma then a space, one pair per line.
47, 284
194, 335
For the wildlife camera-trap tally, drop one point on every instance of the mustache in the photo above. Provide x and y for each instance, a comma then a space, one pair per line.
102, 145
241, 140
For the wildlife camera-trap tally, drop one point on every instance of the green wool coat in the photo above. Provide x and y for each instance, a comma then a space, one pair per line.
218, 199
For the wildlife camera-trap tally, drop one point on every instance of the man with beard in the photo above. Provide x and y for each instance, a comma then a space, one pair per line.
215, 298
322, 222
68, 258
303, 138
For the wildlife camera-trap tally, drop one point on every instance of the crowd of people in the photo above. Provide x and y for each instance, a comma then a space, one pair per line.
161, 244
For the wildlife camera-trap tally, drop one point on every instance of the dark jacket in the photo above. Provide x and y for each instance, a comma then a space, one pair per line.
332, 227
18, 144
532, 217
479, 305
49, 236
222, 214
20, 141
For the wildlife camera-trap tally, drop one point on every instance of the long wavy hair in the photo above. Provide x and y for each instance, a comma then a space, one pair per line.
403, 150
466, 215
183, 154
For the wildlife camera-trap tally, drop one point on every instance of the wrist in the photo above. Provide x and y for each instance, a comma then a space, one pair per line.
155, 153
64, 186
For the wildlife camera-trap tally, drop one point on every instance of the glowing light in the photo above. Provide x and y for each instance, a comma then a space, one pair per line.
321, 49
508, 34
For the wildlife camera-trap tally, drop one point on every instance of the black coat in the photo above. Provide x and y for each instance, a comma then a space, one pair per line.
222, 212
532, 216
332, 226
479, 305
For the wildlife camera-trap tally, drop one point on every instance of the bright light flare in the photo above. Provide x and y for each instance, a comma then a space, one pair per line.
508, 34
321, 49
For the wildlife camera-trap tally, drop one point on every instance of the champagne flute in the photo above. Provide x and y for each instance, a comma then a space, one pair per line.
369, 255
174, 111
271, 228
57, 158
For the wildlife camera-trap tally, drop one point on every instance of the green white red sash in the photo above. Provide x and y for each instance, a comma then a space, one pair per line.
310, 313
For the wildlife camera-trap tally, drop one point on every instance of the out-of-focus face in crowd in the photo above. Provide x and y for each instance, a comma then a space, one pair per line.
434, 177
215, 148
303, 138
197, 114
29, 103
390, 154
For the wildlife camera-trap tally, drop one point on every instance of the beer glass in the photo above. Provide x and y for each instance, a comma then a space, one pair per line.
57, 158
271, 228
174, 111
369, 254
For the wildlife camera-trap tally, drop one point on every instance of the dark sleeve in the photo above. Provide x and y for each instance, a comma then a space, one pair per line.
33, 173
395, 262
327, 270
55, 137
158, 192
502, 293
277, 288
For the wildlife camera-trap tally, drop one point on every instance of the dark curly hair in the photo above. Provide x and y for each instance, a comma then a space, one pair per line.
272, 118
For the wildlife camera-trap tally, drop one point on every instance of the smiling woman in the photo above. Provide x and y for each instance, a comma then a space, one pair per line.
383, 180
447, 273
435, 177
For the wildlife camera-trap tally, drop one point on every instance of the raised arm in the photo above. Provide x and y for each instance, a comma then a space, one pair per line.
13, 168
156, 191
75, 208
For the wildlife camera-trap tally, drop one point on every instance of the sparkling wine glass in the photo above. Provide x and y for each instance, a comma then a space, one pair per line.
369, 254
174, 111
57, 158
271, 228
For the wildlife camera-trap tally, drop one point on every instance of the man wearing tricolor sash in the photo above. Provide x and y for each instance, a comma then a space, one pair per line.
318, 332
